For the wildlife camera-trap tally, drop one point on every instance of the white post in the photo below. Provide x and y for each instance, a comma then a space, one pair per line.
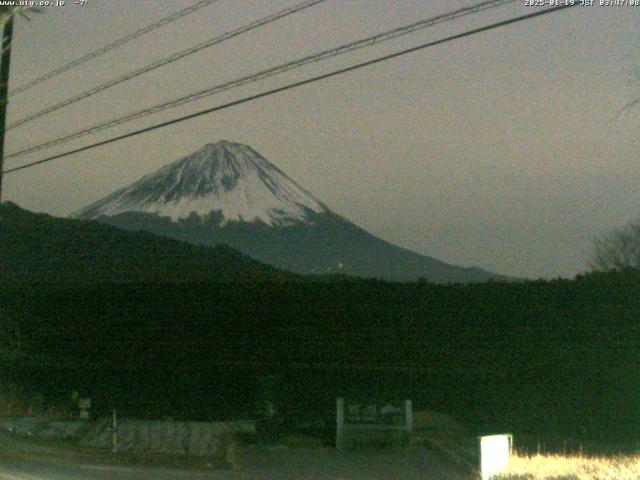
408, 427
339, 423
115, 432
408, 415
494, 454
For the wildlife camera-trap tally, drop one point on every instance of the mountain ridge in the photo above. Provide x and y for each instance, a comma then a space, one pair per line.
232, 195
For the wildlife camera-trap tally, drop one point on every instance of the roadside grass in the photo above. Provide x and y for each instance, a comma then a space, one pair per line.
572, 467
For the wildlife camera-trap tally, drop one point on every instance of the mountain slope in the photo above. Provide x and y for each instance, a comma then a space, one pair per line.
227, 193
45, 249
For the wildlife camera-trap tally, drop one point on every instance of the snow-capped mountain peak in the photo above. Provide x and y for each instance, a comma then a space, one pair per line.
225, 177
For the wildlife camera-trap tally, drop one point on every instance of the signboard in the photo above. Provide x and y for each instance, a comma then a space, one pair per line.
371, 413
361, 423
84, 404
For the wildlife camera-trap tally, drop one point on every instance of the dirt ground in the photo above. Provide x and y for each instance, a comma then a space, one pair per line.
329, 463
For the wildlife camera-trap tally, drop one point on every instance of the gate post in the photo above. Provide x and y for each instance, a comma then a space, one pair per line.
408, 416
340, 423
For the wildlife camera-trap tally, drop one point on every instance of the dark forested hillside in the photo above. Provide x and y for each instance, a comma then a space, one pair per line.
39, 248
559, 357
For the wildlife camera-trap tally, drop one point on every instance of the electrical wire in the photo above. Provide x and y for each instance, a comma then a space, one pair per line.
111, 46
166, 61
333, 52
294, 85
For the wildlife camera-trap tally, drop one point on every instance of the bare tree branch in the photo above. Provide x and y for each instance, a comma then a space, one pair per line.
617, 250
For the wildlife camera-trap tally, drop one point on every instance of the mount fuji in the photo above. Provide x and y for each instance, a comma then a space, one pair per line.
227, 193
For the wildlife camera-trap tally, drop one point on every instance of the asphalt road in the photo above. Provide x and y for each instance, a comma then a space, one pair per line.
13, 469
22, 460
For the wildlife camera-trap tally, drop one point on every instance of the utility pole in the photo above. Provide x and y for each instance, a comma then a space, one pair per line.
5, 61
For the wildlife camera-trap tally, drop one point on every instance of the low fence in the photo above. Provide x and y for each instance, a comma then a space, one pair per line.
157, 436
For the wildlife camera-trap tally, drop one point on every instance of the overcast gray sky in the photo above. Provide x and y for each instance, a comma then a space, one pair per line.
502, 150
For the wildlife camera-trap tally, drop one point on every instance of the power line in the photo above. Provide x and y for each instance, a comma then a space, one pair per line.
293, 85
167, 60
349, 47
118, 43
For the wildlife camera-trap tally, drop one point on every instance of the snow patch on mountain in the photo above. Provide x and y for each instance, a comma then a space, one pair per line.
225, 177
